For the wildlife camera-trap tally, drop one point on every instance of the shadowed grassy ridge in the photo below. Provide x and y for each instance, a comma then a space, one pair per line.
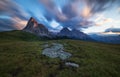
20, 56
18, 35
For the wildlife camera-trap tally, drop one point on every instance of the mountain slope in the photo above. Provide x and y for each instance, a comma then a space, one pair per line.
34, 27
65, 32
74, 34
22, 58
41, 31
18, 35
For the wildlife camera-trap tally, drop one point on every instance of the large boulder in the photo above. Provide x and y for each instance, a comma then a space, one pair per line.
56, 51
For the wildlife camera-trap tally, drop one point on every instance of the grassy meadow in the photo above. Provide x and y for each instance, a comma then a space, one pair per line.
20, 56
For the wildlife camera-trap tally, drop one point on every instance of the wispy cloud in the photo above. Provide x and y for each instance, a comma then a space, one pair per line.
68, 13
9, 11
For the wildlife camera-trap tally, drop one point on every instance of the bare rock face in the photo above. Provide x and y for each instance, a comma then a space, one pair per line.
32, 23
34, 27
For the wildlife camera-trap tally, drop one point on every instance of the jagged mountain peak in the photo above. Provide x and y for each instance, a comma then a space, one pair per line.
31, 24
37, 28
32, 20
65, 30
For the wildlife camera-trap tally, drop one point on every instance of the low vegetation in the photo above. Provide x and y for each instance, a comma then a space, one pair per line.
20, 56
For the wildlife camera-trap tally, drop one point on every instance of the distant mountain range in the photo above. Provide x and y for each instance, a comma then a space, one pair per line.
107, 38
40, 30
113, 30
73, 34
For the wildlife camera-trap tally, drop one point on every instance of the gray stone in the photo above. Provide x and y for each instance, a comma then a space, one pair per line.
72, 64
57, 46
56, 51
46, 46
64, 55
50, 53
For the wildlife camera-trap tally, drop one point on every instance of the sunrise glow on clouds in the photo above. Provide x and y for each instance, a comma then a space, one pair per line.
90, 16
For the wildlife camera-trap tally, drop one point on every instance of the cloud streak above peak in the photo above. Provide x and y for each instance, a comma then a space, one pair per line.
67, 13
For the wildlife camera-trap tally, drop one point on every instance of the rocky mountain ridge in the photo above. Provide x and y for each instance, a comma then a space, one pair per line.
40, 30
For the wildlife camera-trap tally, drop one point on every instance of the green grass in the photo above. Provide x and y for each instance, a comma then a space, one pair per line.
20, 56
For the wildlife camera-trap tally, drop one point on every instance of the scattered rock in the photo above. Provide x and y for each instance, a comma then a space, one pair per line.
72, 64
56, 51
46, 46
64, 55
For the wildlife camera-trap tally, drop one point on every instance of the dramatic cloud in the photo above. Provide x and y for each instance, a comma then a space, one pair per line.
56, 14
75, 13
99, 5
10, 12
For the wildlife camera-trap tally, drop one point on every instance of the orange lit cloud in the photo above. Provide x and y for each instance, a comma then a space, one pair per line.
108, 20
103, 21
86, 12
19, 23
